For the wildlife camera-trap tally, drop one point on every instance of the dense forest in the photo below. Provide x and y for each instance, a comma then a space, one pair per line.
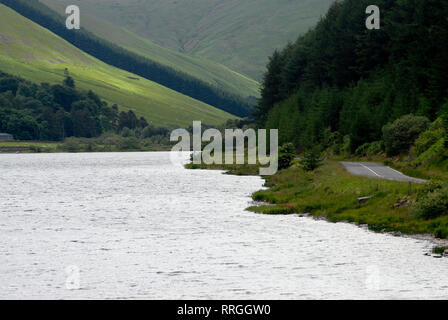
30, 111
131, 62
340, 84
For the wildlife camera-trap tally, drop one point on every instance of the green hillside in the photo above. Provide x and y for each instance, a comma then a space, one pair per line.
235, 33
36, 54
206, 70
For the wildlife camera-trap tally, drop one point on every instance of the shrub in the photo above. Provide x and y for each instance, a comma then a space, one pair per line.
311, 159
71, 145
346, 142
444, 121
441, 233
370, 149
429, 137
129, 143
35, 149
274, 210
432, 153
362, 150
286, 155
126, 132
432, 205
151, 131
400, 135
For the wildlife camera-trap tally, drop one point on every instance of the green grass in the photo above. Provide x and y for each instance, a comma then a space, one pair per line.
238, 34
273, 209
236, 169
80, 145
332, 192
439, 250
206, 70
28, 146
49, 144
36, 54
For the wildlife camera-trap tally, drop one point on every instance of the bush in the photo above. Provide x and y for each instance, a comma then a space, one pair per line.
429, 137
400, 135
126, 132
444, 121
71, 145
434, 151
432, 205
370, 149
286, 155
311, 159
346, 142
441, 233
156, 140
151, 131
129, 143
36, 149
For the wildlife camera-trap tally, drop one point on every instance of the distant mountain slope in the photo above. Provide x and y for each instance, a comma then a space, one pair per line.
34, 53
240, 34
205, 70
119, 57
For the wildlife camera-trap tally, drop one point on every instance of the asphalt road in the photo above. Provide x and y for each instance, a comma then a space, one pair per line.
378, 170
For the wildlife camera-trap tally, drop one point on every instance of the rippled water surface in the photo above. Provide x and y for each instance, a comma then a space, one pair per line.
133, 225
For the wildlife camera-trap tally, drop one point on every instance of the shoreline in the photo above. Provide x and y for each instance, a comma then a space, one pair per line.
36, 147
437, 243
276, 207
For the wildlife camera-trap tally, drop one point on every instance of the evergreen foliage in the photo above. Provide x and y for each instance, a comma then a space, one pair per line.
342, 80
54, 112
286, 155
311, 159
400, 135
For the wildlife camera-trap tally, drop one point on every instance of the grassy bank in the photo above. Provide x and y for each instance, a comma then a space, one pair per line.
28, 146
235, 169
331, 192
104, 143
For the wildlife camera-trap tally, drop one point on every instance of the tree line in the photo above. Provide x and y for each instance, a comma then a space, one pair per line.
341, 84
47, 112
132, 62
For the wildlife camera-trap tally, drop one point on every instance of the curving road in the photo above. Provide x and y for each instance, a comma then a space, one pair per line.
378, 170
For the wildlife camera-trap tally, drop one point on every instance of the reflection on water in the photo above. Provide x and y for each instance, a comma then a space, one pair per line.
133, 225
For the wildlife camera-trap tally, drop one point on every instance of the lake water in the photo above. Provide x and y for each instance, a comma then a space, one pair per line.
136, 226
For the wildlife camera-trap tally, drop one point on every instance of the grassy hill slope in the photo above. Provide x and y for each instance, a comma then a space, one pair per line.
206, 70
238, 34
36, 54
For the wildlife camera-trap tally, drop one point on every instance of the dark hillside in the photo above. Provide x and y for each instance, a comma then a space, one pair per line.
341, 83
